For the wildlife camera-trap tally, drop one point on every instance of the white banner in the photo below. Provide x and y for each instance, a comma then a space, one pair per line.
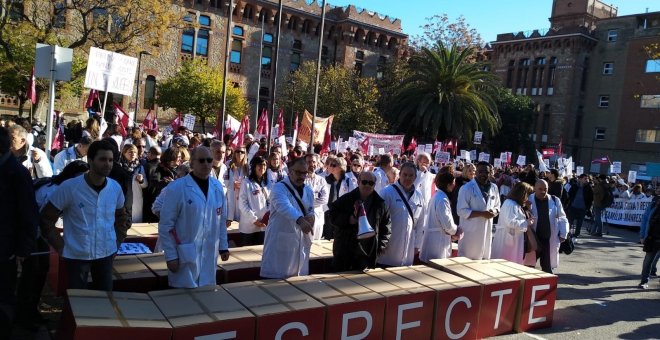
579, 170
477, 137
465, 155
632, 176
189, 121
521, 160
473, 155
484, 157
497, 163
442, 157
626, 211
110, 71
616, 167
428, 148
388, 142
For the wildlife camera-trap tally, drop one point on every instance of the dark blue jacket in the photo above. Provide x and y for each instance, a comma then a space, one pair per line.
19, 214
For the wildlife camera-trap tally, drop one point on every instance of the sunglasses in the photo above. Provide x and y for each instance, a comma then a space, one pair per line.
332, 165
205, 160
239, 151
367, 182
355, 164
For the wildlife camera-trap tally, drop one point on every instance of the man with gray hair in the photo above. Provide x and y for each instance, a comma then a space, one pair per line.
70, 154
34, 159
424, 181
321, 193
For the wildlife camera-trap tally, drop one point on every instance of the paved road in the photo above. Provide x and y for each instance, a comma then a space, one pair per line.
598, 296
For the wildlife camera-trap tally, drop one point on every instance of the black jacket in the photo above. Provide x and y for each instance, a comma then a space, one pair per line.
19, 214
588, 195
348, 252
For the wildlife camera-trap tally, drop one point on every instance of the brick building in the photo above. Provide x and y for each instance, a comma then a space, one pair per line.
568, 70
352, 36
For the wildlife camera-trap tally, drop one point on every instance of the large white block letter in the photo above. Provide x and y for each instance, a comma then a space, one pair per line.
451, 334
534, 303
354, 315
292, 325
400, 326
500, 294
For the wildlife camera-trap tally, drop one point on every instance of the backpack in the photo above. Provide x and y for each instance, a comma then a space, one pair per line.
608, 198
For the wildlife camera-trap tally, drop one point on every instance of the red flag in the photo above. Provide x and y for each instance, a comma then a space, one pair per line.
176, 122
263, 123
122, 119
58, 140
547, 153
32, 89
154, 122
239, 138
93, 95
412, 145
437, 145
327, 139
560, 146
364, 145
280, 123
147, 122
602, 160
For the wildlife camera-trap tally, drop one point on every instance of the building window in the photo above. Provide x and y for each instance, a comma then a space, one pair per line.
600, 134
324, 55
650, 101
266, 58
604, 101
540, 61
295, 61
205, 20
187, 40
238, 30
509, 74
648, 136
653, 65
612, 35
59, 15
264, 92
149, 93
608, 68
268, 38
380, 68
359, 55
553, 60
297, 45
203, 42
203, 32
236, 51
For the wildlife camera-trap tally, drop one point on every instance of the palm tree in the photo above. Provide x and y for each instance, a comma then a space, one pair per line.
444, 94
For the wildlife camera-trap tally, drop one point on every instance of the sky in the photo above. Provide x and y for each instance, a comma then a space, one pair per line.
488, 17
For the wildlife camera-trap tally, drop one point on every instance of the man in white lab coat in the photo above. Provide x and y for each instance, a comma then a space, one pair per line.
291, 223
72, 153
192, 227
407, 210
478, 203
321, 192
384, 165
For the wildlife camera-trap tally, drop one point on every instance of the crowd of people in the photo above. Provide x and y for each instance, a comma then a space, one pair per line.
194, 186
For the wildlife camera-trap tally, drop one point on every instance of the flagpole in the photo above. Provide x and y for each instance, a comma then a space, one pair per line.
261, 55
274, 75
220, 123
310, 147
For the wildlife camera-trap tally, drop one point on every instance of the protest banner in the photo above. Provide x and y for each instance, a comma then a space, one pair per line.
616, 167
632, 176
428, 148
503, 157
497, 163
522, 160
473, 155
391, 143
579, 170
381, 151
320, 125
477, 137
484, 157
627, 212
442, 157
189, 121
110, 71
465, 155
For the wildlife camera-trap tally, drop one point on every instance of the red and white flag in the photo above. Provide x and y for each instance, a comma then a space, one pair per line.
295, 131
32, 88
93, 95
122, 119
413, 145
239, 138
263, 123
560, 146
437, 145
280, 123
602, 160
58, 140
147, 122
327, 139
176, 122
364, 145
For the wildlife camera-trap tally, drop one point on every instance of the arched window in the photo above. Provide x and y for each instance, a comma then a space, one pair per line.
149, 93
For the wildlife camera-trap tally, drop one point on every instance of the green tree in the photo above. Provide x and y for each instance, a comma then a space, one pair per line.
350, 98
439, 28
443, 94
517, 117
197, 89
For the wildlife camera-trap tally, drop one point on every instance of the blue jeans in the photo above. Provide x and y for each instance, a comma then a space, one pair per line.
598, 221
650, 262
576, 215
78, 273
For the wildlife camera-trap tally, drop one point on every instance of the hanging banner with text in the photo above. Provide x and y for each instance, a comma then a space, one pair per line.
110, 71
320, 124
626, 211
390, 143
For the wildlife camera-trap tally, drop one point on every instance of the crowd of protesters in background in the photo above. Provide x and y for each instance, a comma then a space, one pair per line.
284, 198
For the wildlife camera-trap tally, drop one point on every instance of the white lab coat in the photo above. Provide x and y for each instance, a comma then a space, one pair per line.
381, 180
253, 205
424, 183
275, 176
406, 232
558, 229
438, 229
286, 247
200, 224
39, 169
65, 157
237, 174
138, 197
352, 181
509, 239
477, 231
321, 192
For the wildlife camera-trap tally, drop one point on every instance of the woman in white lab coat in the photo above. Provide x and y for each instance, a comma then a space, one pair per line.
440, 229
192, 229
238, 170
509, 239
288, 239
253, 202
276, 172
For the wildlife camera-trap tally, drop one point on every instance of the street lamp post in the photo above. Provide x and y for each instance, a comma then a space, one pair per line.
293, 103
318, 75
137, 91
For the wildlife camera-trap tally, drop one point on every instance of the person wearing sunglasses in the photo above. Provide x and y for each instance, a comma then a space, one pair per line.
350, 253
407, 211
356, 165
238, 170
192, 228
321, 193
254, 203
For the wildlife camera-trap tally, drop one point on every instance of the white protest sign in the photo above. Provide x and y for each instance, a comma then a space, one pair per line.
477, 137
627, 212
547, 163
497, 163
428, 148
522, 160
473, 155
281, 140
381, 151
420, 149
632, 176
579, 170
616, 167
442, 157
465, 155
110, 71
503, 157
189, 121
484, 157
371, 150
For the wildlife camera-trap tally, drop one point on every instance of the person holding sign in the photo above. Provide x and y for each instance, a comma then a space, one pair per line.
478, 203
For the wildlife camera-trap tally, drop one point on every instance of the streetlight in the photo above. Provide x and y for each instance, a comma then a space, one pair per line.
293, 103
137, 91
